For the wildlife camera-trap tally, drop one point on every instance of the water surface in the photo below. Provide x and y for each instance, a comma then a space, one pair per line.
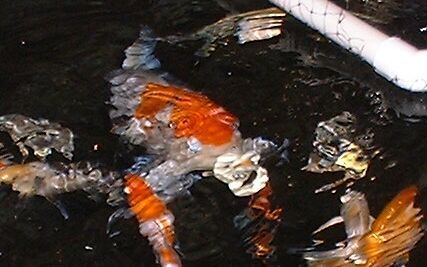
54, 59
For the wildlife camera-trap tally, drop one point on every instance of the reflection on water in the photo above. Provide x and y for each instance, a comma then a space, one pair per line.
54, 58
259, 223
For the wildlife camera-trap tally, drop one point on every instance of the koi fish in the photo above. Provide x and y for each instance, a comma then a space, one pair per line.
155, 220
48, 180
185, 129
379, 242
337, 148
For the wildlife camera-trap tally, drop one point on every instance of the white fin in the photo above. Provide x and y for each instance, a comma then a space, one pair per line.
331, 222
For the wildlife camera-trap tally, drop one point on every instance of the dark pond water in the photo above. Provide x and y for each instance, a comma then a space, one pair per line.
54, 55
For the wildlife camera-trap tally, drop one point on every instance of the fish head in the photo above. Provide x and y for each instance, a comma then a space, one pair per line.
241, 172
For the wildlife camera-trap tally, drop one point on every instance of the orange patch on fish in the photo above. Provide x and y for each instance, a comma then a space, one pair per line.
193, 114
143, 202
147, 206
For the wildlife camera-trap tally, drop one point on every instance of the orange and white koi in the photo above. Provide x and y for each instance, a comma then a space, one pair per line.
186, 129
155, 220
388, 240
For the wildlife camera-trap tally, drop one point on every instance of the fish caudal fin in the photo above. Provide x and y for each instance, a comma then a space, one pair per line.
396, 230
249, 26
387, 241
260, 25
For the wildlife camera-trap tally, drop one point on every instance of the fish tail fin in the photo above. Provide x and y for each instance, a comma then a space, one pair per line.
396, 230
260, 25
249, 26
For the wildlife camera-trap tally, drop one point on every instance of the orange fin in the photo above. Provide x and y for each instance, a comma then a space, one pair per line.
395, 209
395, 232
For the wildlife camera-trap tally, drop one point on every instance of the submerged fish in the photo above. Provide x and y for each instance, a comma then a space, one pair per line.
50, 180
338, 148
184, 131
155, 220
40, 135
43, 178
379, 242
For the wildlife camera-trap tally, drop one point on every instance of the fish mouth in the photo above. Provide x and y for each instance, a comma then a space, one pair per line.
256, 181
241, 172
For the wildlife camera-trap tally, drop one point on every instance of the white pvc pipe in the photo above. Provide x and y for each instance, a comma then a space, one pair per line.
393, 58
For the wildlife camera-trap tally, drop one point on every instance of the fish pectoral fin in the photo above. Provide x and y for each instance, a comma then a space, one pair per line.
331, 222
60, 206
122, 213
